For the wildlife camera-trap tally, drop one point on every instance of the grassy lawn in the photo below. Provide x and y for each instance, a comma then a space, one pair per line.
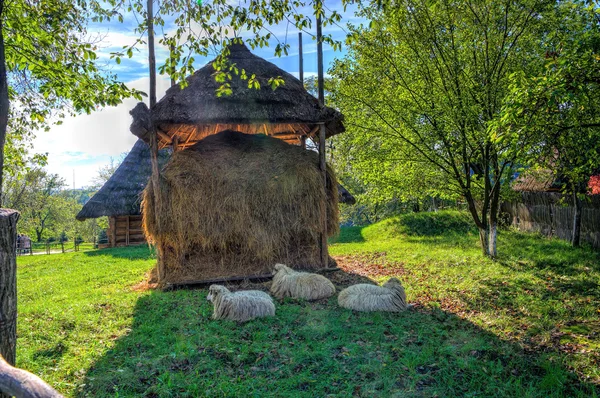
525, 325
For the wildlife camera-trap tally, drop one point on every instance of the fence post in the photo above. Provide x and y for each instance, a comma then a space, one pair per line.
8, 284
62, 245
47, 246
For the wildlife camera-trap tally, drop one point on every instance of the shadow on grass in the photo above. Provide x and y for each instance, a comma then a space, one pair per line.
317, 349
348, 235
140, 252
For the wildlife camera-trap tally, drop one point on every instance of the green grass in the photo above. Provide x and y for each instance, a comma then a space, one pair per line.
525, 325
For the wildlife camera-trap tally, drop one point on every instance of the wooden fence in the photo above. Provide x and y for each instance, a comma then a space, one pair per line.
551, 214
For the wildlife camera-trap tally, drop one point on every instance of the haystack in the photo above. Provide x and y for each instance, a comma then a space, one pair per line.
235, 204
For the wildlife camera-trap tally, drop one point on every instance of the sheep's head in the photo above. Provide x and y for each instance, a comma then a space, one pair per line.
214, 291
281, 267
392, 282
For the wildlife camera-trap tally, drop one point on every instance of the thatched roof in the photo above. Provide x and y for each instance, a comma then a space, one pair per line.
120, 195
199, 105
543, 180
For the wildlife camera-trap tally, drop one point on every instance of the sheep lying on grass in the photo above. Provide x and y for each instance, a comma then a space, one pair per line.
240, 306
364, 297
300, 285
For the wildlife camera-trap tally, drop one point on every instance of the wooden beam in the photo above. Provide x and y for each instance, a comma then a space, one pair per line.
164, 136
323, 167
175, 143
286, 136
314, 130
20, 383
265, 128
204, 282
303, 142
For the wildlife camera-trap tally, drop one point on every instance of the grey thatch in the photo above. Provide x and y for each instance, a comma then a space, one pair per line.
121, 194
198, 104
542, 180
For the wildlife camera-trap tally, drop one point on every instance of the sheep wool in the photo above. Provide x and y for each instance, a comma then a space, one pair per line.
364, 297
240, 306
300, 285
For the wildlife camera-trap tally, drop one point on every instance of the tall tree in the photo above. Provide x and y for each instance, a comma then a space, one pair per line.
425, 80
558, 106
48, 65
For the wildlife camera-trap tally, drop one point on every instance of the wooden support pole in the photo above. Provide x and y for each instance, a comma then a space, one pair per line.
320, 78
322, 136
8, 284
323, 167
22, 384
303, 142
300, 59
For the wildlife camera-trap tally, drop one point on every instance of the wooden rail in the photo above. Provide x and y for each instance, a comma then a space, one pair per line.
22, 384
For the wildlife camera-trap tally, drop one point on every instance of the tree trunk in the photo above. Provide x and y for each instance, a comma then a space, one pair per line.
3, 100
8, 284
575, 241
484, 239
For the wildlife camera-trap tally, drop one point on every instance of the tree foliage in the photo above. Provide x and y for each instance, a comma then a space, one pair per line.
51, 68
421, 87
558, 105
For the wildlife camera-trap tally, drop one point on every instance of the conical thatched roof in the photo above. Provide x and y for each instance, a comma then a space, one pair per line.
120, 195
198, 103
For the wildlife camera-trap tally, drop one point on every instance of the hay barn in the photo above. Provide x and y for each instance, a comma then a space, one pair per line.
241, 192
120, 198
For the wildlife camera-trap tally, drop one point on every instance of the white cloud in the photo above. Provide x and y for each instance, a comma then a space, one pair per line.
86, 142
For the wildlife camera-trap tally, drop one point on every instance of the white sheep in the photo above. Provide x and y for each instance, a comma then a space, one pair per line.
300, 285
364, 297
240, 306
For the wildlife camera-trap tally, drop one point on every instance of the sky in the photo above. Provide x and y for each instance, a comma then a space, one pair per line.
84, 143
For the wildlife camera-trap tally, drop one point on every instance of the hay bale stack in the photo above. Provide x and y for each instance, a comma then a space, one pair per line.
233, 204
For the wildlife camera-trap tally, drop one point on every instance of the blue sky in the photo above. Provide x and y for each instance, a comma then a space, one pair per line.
84, 143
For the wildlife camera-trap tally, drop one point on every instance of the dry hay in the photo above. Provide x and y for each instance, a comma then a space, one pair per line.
300, 285
240, 306
233, 204
364, 297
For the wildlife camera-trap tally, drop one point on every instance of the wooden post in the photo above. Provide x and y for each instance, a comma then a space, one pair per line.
8, 284
127, 232
320, 79
322, 136
62, 245
300, 59
113, 231
303, 142
323, 167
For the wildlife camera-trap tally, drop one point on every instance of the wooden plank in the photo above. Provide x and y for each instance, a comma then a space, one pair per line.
323, 167
264, 277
